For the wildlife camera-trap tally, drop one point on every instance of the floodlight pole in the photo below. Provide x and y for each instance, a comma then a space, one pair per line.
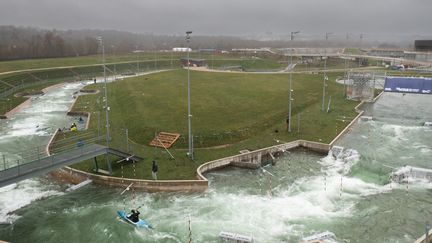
190, 151
106, 104
324, 82
290, 93
290, 83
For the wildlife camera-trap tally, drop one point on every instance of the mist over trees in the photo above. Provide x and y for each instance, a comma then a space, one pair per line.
28, 42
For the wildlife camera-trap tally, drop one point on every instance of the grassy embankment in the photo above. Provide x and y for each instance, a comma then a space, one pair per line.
6, 66
125, 63
231, 112
37, 80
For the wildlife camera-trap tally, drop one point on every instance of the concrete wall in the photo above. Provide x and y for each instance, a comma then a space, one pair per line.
76, 176
251, 160
257, 158
357, 109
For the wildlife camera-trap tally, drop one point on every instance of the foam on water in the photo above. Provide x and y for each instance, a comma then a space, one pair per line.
18, 195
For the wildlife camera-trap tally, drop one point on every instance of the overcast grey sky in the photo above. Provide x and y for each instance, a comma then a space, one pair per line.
227, 17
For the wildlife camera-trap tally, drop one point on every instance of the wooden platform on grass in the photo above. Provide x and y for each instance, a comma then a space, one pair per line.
164, 139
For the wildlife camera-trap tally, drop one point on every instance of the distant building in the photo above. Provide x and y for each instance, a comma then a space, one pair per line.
395, 53
423, 45
419, 56
193, 62
181, 49
253, 50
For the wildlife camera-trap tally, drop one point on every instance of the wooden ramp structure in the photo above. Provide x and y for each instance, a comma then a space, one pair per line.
164, 139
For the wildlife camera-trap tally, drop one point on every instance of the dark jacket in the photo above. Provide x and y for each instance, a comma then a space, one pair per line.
134, 217
154, 167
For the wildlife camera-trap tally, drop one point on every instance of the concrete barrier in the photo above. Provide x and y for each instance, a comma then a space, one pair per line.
76, 176
251, 160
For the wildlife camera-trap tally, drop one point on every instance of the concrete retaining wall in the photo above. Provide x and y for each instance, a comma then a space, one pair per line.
252, 160
257, 158
76, 176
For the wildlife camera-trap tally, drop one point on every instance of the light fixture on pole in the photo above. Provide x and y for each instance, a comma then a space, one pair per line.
290, 83
294, 33
290, 92
106, 102
190, 140
324, 81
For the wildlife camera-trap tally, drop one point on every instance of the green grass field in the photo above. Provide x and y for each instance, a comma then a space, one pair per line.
110, 58
36, 80
237, 111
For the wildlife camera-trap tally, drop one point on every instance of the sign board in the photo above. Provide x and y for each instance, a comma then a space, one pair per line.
408, 85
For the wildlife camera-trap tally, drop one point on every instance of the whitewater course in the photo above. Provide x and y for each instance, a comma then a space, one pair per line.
303, 194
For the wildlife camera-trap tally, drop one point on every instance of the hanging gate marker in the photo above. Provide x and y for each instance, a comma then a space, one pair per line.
325, 183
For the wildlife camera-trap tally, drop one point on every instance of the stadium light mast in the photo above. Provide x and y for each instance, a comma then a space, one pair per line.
290, 83
290, 91
324, 80
190, 151
106, 103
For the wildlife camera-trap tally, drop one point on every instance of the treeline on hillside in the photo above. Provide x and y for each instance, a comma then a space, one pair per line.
21, 43
27, 42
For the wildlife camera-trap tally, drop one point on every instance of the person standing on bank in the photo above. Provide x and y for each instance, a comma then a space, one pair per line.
154, 170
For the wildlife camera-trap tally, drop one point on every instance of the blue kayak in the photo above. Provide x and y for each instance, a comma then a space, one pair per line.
140, 224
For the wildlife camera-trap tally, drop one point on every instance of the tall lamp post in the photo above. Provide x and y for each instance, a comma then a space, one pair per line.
324, 81
290, 83
106, 103
190, 151
290, 92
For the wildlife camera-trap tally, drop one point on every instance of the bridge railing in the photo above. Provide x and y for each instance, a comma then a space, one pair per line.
21, 163
17, 170
37, 153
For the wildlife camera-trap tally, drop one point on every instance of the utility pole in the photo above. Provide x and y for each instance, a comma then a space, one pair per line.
190, 151
328, 34
106, 104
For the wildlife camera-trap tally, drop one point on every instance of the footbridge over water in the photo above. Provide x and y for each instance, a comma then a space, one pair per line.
16, 171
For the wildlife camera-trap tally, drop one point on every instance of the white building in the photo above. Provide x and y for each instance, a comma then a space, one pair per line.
181, 49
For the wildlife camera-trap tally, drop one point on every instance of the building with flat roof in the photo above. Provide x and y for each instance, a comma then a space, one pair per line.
423, 45
181, 49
